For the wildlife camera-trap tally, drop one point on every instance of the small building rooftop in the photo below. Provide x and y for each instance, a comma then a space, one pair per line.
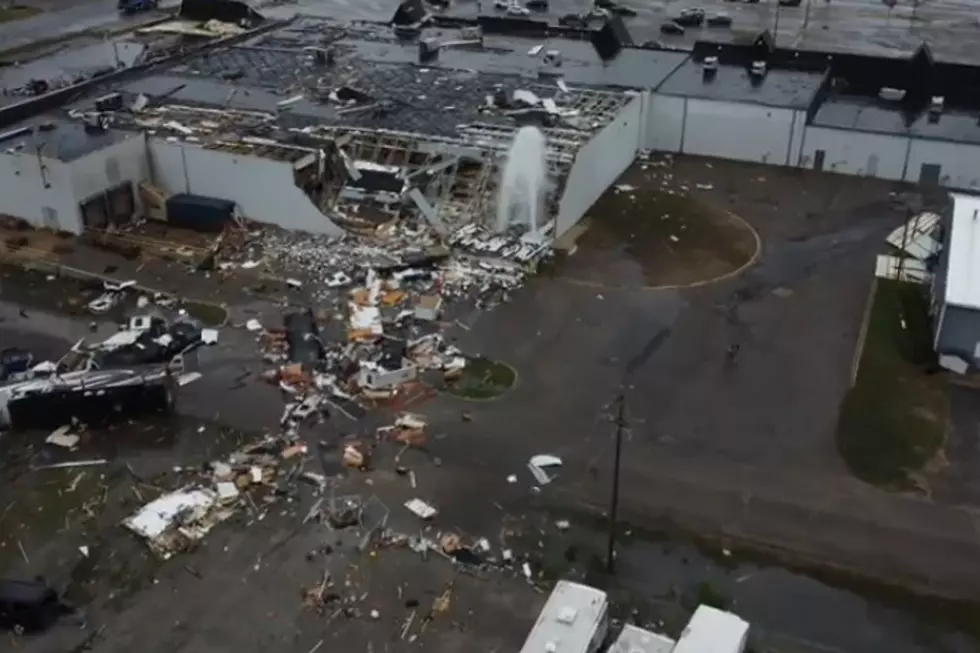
963, 262
791, 89
60, 138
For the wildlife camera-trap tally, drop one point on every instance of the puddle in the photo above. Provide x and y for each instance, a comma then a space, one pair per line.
659, 583
646, 235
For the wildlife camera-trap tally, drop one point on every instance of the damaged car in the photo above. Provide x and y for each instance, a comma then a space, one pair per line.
93, 397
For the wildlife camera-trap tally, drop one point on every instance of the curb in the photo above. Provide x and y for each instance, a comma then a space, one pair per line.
863, 331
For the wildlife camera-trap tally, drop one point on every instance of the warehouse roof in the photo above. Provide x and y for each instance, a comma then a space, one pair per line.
373, 81
792, 89
963, 260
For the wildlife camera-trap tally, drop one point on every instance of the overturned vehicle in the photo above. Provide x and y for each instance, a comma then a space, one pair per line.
93, 397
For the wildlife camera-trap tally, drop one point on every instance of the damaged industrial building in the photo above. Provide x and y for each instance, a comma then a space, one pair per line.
317, 125
325, 127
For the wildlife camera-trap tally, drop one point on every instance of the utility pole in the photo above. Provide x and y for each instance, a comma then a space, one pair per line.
775, 30
614, 500
635, 363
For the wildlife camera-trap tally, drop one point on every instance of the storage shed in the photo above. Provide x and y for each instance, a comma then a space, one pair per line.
955, 301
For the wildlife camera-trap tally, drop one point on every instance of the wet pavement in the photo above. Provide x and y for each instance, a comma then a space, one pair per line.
90, 15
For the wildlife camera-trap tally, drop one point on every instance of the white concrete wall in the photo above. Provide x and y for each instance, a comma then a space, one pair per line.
38, 191
97, 172
664, 123
599, 163
959, 163
855, 153
742, 132
265, 189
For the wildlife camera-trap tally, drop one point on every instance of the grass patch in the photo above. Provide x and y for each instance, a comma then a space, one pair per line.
893, 421
210, 315
481, 379
17, 12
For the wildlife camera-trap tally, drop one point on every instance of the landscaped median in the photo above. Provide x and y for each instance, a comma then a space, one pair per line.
893, 420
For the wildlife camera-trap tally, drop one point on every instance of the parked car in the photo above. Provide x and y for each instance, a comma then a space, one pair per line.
28, 606
691, 17
719, 20
670, 27
136, 6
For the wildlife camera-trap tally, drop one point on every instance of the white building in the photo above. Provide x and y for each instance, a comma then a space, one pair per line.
60, 175
955, 301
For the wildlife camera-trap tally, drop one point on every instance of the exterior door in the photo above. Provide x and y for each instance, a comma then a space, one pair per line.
929, 174
873, 165
818, 159
94, 212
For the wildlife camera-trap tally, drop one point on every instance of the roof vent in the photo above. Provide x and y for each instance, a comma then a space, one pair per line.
428, 50
709, 67
936, 108
567, 615
758, 69
890, 94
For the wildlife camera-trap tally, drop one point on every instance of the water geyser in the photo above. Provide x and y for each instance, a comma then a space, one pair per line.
523, 183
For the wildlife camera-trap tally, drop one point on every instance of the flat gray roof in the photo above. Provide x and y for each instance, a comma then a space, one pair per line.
780, 88
61, 138
869, 115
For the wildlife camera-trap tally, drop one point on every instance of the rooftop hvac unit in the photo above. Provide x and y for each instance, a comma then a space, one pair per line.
890, 94
709, 67
758, 69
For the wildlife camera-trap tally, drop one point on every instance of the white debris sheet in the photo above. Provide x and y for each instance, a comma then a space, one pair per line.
172, 522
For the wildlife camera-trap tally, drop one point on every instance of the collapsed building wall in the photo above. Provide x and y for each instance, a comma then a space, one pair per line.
264, 188
599, 163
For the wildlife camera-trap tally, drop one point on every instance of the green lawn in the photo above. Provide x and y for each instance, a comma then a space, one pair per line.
16, 12
893, 421
481, 379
